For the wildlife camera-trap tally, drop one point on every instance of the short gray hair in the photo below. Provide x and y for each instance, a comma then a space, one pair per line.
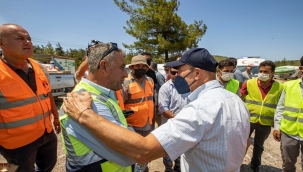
97, 52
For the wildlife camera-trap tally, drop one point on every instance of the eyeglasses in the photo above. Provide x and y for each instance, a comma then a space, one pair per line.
174, 72
112, 48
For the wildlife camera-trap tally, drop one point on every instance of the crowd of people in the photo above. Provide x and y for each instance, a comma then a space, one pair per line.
209, 111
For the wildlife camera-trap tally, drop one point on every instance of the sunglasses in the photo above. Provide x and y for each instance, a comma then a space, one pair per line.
112, 48
174, 72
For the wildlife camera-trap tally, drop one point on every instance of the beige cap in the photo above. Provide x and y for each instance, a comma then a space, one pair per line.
138, 60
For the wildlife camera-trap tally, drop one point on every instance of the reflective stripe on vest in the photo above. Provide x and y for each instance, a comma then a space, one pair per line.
24, 115
292, 121
77, 152
262, 110
232, 86
140, 101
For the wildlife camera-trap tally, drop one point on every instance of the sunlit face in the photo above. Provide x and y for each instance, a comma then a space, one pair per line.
248, 69
266, 70
16, 42
117, 72
228, 69
173, 73
186, 70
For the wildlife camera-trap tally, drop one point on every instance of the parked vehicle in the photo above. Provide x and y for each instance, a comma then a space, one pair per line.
62, 80
254, 62
287, 72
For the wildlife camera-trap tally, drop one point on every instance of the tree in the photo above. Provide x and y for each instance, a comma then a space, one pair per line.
59, 50
49, 49
157, 27
38, 49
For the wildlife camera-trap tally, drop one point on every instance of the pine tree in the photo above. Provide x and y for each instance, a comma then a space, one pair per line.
157, 27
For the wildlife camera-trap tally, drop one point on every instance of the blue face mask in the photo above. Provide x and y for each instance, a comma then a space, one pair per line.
181, 85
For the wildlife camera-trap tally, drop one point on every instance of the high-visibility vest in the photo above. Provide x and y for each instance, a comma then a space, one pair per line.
120, 99
24, 115
140, 101
80, 154
232, 86
262, 111
292, 120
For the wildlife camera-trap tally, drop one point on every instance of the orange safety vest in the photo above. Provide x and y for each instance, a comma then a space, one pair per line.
140, 101
24, 115
120, 99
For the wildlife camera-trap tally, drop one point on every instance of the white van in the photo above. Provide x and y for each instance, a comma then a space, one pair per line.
253, 62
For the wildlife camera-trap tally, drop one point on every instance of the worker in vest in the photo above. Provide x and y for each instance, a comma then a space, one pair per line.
138, 93
261, 96
84, 152
26, 104
289, 122
225, 76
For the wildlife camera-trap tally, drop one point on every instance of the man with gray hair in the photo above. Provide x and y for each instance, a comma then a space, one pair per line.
210, 132
84, 152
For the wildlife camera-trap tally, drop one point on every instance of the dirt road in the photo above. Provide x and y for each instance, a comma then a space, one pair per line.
271, 158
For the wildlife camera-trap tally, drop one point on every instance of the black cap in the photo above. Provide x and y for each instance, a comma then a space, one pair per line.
196, 57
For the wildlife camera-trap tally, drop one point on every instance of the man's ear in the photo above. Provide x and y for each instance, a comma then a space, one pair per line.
103, 65
198, 73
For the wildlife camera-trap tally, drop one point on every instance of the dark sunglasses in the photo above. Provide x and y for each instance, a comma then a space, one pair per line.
174, 72
112, 48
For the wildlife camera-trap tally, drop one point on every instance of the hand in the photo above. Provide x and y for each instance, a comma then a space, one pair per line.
57, 125
76, 103
277, 135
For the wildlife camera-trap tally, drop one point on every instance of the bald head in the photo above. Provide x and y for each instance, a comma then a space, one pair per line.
7, 28
15, 42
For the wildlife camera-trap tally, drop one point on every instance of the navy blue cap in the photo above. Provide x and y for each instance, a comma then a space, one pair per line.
196, 57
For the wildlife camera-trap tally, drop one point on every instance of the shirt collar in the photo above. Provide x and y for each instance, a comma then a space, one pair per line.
203, 88
103, 90
15, 68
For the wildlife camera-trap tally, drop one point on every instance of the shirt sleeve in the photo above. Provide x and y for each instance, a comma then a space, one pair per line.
279, 111
183, 132
84, 135
164, 99
238, 76
244, 89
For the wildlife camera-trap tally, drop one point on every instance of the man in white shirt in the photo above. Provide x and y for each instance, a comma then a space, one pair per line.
211, 131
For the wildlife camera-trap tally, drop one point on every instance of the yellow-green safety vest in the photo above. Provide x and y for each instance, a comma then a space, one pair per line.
292, 120
232, 86
262, 111
78, 151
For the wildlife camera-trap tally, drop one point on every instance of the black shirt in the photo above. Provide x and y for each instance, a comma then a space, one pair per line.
28, 78
152, 74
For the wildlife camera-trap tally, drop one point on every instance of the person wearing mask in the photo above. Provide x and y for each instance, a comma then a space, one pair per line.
150, 73
84, 152
138, 95
247, 74
237, 73
27, 108
225, 76
170, 104
261, 96
203, 127
288, 128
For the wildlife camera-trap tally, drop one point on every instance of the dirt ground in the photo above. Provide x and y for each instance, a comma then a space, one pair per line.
271, 158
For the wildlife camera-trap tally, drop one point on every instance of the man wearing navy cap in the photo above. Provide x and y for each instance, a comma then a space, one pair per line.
210, 133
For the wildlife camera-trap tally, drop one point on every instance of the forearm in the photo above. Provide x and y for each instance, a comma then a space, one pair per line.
140, 149
168, 114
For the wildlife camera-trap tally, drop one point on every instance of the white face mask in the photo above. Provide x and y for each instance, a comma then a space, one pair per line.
226, 76
263, 76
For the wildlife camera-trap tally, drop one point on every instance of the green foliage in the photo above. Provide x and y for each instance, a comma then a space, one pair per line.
158, 29
285, 62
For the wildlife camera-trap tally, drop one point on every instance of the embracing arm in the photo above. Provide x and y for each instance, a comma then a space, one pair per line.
140, 149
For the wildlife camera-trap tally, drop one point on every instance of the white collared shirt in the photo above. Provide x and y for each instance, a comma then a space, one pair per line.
211, 131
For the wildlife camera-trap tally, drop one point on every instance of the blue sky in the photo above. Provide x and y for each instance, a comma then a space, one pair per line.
272, 29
